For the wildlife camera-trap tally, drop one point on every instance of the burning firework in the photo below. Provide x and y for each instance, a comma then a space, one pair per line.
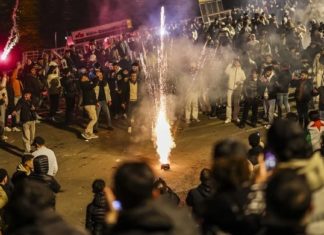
162, 130
14, 34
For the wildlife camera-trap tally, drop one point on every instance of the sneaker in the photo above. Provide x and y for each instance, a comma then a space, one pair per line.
16, 129
37, 121
110, 128
4, 138
238, 120
124, 116
227, 121
7, 129
85, 136
212, 117
196, 120
93, 136
267, 126
129, 130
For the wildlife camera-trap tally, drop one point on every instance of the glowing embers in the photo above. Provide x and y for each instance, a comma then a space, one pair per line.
14, 34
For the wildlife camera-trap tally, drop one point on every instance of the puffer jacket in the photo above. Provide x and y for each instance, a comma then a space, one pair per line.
40, 173
236, 77
96, 214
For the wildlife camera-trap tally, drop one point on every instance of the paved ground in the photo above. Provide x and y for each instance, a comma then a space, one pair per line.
81, 162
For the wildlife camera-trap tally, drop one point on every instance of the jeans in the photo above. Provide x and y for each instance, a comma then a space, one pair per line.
282, 99
103, 106
28, 134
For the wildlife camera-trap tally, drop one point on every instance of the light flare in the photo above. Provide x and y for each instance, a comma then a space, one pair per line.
14, 34
164, 141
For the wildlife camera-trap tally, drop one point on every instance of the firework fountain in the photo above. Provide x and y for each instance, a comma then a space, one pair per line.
14, 34
164, 141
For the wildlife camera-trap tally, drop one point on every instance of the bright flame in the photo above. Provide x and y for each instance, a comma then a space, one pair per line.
14, 34
164, 139
162, 129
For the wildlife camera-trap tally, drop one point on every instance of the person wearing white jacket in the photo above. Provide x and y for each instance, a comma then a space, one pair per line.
236, 77
54, 90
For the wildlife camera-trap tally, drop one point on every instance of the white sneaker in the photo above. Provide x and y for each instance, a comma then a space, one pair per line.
267, 126
4, 138
129, 130
86, 136
16, 129
93, 136
227, 121
238, 120
37, 121
197, 120
7, 129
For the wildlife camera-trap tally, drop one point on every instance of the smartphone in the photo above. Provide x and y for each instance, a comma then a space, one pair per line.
270, 160
117, 205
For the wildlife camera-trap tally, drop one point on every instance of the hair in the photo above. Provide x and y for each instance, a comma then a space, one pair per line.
229, 148
28, 200
205, 176
286, 139
98, 186
314, 115
254, 139
3, 174
230, 168
288, 196
26, 157
133, 184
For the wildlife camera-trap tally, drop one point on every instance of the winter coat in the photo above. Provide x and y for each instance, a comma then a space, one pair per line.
269, 87
26, 113
70, 88
40, 174
236, 77
251, 89
96, 214
197, 196
33, 85
154, 218
88, 92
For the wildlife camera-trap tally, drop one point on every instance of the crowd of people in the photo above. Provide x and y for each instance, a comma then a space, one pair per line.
261, 61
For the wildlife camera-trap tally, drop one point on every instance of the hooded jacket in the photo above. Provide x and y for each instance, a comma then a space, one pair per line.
236, 77
20, 174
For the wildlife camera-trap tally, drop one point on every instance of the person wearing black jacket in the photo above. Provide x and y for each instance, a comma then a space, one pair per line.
24, 169
97, 209
70, 91
89, 103
27, 118
197, 196
284, 79
251, 99
32, 83
303, 96
40, 175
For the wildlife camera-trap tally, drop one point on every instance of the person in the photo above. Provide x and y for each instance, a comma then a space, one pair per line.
41, 149
256, 149
198, 195
97, 209
130, 100
268, 89
32, 84
4, 101
27, 118
303, 95
54, 89
288, 204
39, 174
251, 99
70, 92
89, 102
4, 198
191, 100
17, 89
286, 140
30, 212
236, 77
140, 213
284, 78
24, 169
166, 193
115, 84
103, 97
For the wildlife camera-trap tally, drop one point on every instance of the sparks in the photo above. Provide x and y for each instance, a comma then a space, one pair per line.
164, 141
14, 34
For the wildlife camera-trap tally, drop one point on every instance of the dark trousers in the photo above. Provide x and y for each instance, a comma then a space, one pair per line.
302, 110
69, 111
250, 104
116, 103
54, 104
